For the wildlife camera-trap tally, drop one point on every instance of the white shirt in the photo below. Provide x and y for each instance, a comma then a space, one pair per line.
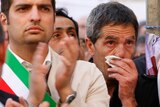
1, 105
48, 57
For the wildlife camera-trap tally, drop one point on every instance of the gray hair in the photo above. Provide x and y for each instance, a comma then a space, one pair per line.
109, 13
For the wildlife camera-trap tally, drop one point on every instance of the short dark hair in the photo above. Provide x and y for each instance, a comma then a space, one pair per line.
109, 13
63, 12
6, 4
1, 34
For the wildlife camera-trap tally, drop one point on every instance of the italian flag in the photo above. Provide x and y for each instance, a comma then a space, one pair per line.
15, 79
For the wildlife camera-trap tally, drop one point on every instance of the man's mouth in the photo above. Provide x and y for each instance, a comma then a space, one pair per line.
34, 28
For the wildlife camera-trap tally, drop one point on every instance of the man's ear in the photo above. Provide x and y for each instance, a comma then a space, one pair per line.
4, 21
90, 46
2, 53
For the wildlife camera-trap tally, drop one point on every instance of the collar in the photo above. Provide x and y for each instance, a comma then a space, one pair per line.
48, 57
17, 57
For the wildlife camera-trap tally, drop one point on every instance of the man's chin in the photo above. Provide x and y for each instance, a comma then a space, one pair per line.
35, 41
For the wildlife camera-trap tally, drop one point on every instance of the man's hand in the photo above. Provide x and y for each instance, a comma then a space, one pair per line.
37, 76
22, 103
66, 69
126, 74
11, 103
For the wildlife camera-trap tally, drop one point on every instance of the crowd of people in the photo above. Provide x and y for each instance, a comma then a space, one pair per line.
47, 60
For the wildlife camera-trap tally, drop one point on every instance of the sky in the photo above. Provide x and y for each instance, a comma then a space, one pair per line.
80, 8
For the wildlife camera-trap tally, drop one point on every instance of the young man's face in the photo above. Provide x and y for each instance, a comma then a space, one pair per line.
63, 28
30, 21
118, 40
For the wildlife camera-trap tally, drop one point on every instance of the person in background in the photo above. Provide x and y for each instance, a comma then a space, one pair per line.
140, 47
64, 27
112, 29
142, 29
82, 37
30, 22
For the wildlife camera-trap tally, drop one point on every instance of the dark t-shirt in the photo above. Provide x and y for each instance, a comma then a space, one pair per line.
4, 96
146, 90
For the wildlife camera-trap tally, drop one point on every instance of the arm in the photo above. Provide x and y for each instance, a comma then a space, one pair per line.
22, 103
66, 69
37, 76
90, 86
95, 91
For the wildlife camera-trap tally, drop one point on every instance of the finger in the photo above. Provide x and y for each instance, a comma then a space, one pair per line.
65, 105
71, 49
68, 70
71, 43
44, 104
22, 101
130, 63
40, 53
38, 59
11, 103
117, 76
126, 64
118, 70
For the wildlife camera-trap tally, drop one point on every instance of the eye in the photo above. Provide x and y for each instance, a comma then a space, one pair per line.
110, 43
72, 34
56, 36
130, 42
23, 9
44, 8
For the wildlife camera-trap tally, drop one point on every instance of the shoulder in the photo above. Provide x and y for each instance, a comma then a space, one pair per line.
140, 64
88, 72
87, 68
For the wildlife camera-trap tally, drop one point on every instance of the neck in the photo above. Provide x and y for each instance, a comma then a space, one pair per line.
111, 84
25, 52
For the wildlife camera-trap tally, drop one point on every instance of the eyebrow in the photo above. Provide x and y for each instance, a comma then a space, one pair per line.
71, 28
68, 28
30, 5
111, 37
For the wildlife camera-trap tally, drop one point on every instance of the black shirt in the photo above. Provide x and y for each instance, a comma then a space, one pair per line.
4, 96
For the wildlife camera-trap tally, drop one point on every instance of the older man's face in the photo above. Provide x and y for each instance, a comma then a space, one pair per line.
118, 40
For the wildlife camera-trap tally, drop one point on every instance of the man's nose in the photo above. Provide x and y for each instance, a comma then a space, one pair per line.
35, 15
65, 35
120, 51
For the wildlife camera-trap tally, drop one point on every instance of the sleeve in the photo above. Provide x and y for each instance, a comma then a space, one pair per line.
97, 93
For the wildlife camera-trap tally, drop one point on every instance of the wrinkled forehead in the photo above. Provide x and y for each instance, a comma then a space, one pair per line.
31, 2
63, 23
118, 31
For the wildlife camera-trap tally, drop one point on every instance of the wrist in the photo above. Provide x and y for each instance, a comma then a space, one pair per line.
68, 99
130, 102
32, 102
63, 93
